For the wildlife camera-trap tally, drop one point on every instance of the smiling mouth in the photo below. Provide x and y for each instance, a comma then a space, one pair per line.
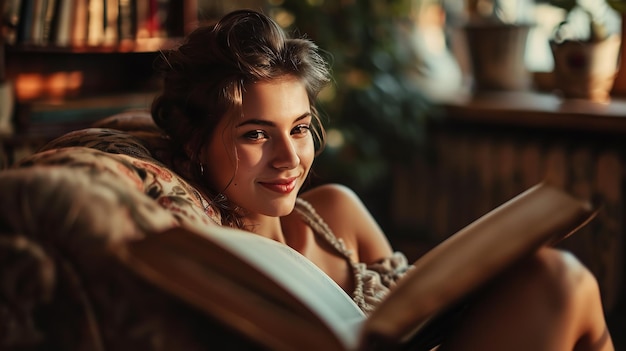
283, 187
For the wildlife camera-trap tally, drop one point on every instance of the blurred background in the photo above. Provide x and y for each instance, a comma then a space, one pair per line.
440, 110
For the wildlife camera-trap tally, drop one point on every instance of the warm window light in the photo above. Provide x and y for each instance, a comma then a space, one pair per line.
538, 55
61, 84
327, 94
57, 85
284, 18
547, 17
29, 86
357, 78
334, 139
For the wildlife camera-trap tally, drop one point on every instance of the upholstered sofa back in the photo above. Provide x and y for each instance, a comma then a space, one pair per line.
62, 210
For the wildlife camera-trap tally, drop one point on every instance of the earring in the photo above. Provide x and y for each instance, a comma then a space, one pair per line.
201, 169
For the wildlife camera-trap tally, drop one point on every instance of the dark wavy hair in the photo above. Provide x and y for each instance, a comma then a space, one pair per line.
203, 81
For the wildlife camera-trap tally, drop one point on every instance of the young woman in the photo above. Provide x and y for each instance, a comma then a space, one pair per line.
239, 100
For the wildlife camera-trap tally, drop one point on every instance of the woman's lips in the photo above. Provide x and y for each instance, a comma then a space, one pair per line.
281, 186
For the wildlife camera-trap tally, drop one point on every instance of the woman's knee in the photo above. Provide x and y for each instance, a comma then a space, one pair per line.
563, 279
542, 303
575, 293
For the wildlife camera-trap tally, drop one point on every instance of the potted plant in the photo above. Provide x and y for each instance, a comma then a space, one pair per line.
377, 113
496, 40
619, 85
585, 51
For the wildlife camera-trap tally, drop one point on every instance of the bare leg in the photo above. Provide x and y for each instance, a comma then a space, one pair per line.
549, 302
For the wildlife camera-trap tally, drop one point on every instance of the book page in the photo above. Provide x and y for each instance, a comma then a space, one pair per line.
299, 276
261, 287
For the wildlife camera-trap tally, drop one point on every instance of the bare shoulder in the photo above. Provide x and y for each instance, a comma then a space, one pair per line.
349, 219
333, 197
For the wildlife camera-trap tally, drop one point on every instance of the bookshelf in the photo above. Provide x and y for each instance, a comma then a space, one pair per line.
70, 62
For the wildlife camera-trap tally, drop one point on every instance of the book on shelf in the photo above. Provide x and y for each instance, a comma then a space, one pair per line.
142, 19
111, 22
49, 14
127, 26
274, 295
10, 12
62, 23
81, 23
24, 23
95, 22
37, 24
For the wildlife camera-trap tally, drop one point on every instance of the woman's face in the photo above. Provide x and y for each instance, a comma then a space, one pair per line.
260, 160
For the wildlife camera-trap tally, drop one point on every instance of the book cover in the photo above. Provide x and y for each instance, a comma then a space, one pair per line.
79, 23
246, 280
126, 20
111, 20
61, 31
25, 21
95, 22
11, 11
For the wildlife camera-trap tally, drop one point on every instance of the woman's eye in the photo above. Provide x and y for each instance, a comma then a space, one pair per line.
302, 129
255, 135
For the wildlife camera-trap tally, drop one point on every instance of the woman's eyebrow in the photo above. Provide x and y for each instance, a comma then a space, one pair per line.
264, 122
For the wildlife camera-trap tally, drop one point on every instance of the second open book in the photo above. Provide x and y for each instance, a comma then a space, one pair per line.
277, 297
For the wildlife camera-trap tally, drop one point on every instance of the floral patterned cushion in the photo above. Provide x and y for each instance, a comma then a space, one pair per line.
61, 210
153, 179
138, 151
61, 289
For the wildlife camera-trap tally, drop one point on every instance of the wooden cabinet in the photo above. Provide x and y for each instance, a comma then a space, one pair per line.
490, 147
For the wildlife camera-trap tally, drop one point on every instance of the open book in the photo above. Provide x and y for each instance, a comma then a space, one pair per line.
275, 296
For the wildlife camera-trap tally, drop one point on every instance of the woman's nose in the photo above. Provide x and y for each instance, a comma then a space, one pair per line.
285, 154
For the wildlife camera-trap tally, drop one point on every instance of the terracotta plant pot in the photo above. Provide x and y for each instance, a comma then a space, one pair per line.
497, 53
586, 70
619, 85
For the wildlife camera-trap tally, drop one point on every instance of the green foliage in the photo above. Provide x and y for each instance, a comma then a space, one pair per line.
618, 5
595, 11
567, 5
374, 106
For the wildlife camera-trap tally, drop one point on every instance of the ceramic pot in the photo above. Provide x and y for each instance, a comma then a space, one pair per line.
619, 85
586, 70
497, 53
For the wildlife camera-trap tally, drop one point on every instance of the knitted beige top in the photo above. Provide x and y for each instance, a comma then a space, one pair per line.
372, 281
